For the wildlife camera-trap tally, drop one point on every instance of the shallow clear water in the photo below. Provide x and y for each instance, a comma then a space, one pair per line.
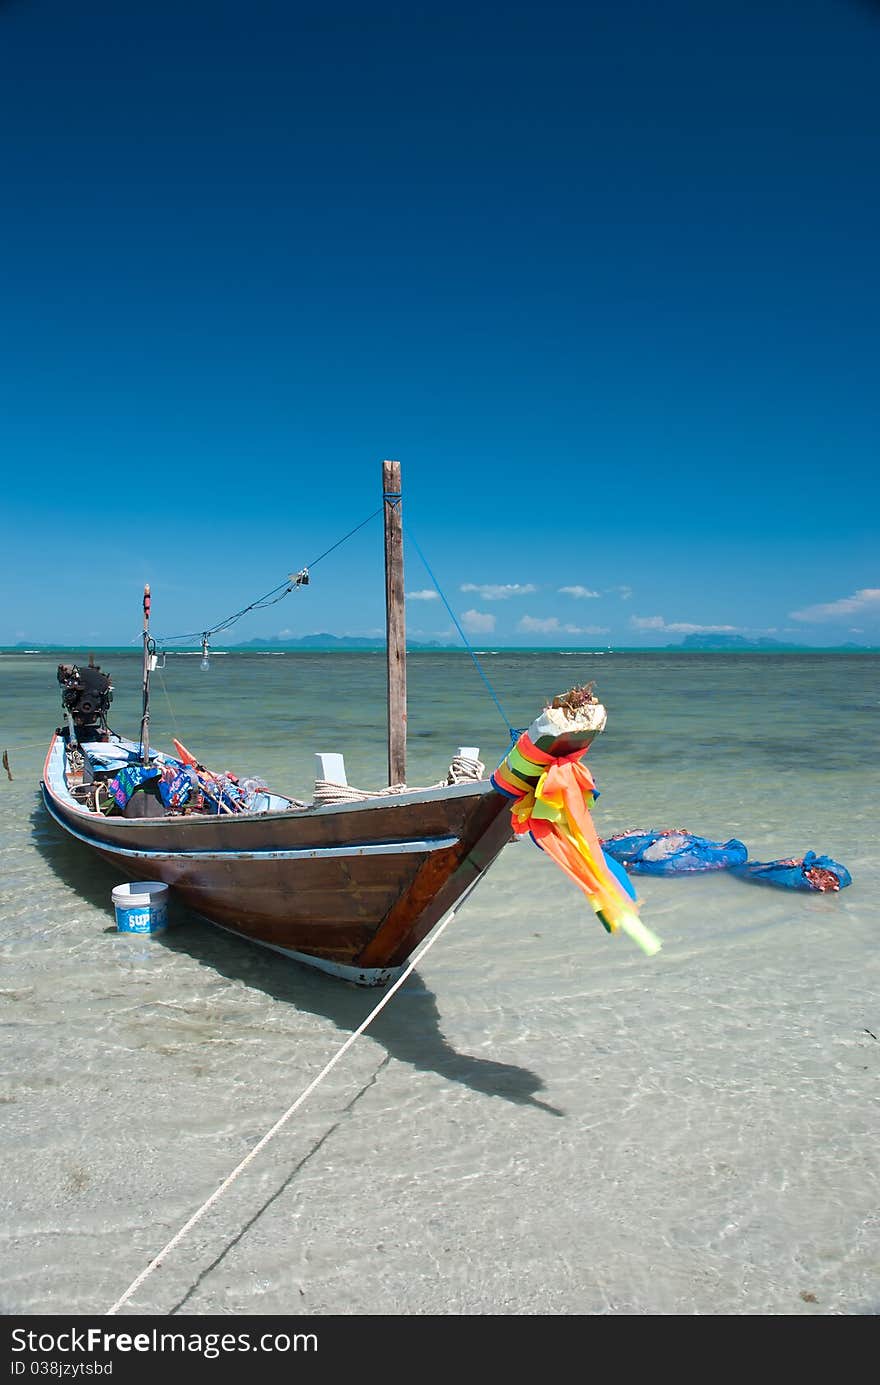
542, 1120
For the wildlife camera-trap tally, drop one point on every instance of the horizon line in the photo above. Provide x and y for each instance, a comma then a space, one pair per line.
364, 646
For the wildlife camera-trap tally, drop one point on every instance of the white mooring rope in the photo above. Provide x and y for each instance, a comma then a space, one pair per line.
463, 770
270, 1134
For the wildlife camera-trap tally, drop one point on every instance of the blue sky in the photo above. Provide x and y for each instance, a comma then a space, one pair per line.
603, 277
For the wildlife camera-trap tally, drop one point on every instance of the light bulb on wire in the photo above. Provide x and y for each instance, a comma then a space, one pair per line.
206, 662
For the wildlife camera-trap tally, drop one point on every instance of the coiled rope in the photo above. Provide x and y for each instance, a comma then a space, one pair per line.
280, 1123
464, 769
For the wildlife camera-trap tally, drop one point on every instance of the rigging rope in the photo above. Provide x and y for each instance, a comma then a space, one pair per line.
168, 700
513, 734
280, 1123
293, 583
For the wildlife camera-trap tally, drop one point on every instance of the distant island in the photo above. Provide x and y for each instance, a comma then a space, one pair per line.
691, 644
326, 641
736, 644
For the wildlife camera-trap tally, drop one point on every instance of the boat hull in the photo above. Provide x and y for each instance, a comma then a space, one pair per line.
353, 888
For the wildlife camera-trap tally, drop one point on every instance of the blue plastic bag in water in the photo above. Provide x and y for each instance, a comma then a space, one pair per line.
811, 873
673, 853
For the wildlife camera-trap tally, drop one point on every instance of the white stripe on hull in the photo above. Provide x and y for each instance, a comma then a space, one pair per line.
303, 853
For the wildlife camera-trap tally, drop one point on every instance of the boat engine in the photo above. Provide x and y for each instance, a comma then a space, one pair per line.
86, 694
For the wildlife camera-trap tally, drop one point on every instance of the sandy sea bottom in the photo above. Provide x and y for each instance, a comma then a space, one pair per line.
543, 1120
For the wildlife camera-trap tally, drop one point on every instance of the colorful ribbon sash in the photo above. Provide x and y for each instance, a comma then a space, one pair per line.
550, 797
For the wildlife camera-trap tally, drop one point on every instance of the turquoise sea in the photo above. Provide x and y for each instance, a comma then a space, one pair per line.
543, 1120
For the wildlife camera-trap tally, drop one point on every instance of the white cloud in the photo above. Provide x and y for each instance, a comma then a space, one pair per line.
534, 625
478, 622
679, 627
865, 601
623, 592
492, 592
429, 595
579, 592
550, 625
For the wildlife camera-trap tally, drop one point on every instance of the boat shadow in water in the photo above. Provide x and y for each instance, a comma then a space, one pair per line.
408, 1028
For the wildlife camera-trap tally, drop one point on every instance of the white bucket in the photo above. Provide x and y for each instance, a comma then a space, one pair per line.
141, 907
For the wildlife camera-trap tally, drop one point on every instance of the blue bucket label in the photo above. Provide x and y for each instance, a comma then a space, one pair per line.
141, 920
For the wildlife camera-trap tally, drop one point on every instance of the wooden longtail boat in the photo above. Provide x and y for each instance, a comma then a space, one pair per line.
350, 887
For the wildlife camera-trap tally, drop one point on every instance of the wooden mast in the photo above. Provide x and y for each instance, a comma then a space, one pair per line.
145, 719
395, 623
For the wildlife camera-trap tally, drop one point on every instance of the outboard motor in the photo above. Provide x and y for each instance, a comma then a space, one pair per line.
86, 694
